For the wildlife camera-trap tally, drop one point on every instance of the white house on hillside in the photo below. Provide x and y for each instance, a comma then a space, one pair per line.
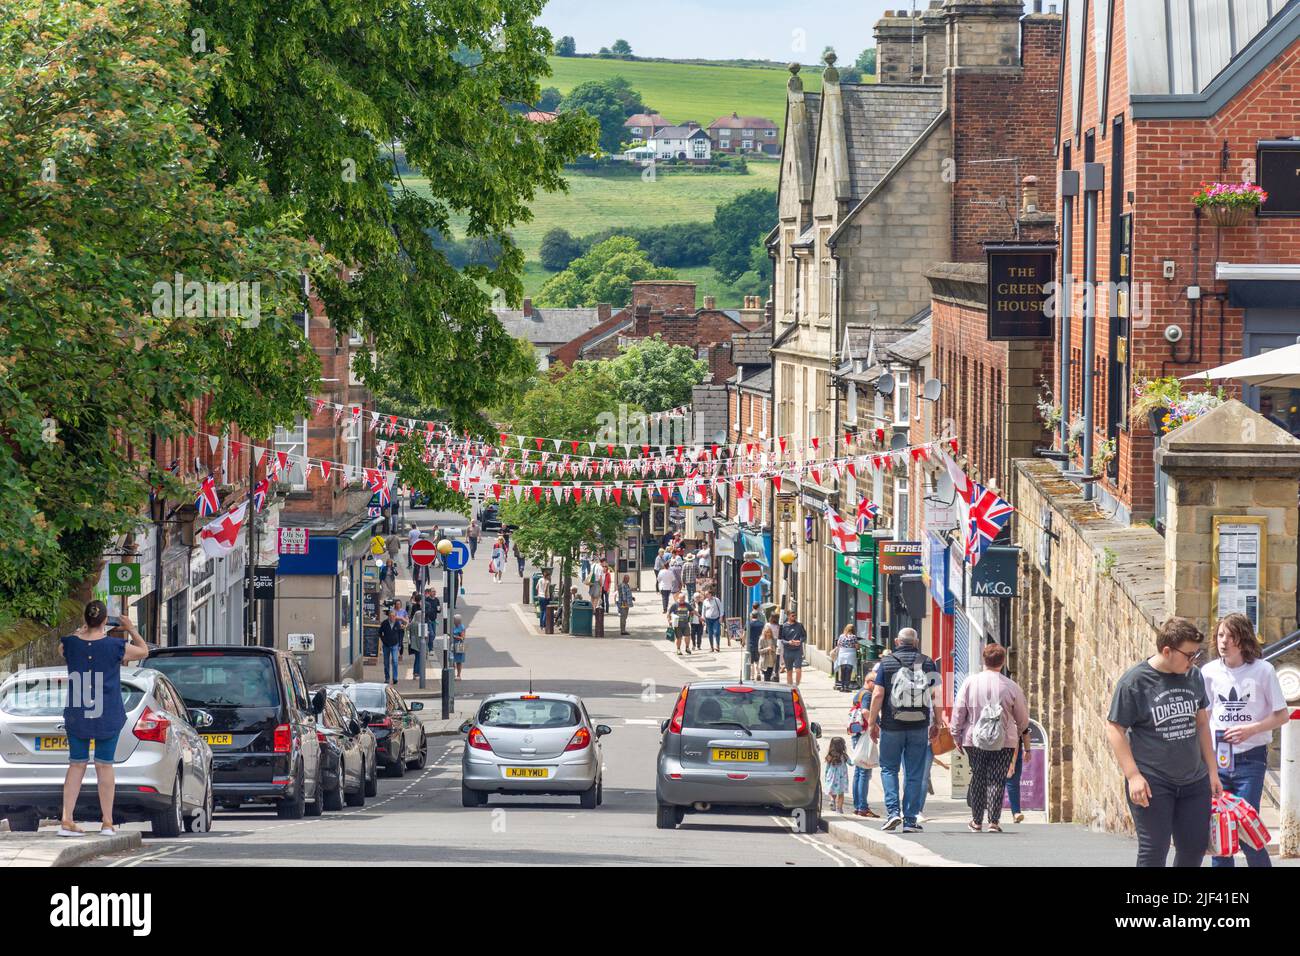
681, 142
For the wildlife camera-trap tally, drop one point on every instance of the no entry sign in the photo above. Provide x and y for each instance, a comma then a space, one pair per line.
423, 552
751, 572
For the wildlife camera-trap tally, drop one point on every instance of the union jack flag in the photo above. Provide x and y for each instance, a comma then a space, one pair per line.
375, 478
259, 495
987, 515
868, 511
207, 501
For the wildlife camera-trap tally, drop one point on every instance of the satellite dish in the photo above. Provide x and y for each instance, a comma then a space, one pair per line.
932, 389
898, 442
885, 384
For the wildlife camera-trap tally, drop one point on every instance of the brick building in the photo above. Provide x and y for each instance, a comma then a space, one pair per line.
745, 134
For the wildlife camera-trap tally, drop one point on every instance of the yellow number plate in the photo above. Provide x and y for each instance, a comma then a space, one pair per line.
218, 739
51, 743
730, 755
531, 773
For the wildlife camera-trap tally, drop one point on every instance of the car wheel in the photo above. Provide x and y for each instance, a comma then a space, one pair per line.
667, 817
201, 821
317, 806
24, 821
810, 817
170, 821
600, 791
358, 799
590, 797
372, 782
472, 798
293, 808
334, 799
418, 763
398, 767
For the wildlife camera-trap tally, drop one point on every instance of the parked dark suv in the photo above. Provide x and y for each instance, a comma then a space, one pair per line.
263, 730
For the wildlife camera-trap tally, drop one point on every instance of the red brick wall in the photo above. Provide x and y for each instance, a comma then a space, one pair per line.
743, 409
961, 357
664, 295
997, 116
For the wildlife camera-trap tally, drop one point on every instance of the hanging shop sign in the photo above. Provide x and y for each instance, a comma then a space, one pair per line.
293, 540
996, 575
263, 583
856, 570
901, 557
124, 579
1019, 288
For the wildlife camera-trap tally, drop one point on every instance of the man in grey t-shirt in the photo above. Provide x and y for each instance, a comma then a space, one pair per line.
1159, 730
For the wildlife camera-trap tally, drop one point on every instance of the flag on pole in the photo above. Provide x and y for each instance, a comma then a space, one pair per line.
207, 501
221, 537
987, 514
259, 495
868, 511
845, 537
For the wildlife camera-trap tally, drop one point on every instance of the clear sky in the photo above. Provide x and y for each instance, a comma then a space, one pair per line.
779, 30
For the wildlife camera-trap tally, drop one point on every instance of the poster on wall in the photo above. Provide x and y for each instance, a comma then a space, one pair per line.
1237, 571
1020, 286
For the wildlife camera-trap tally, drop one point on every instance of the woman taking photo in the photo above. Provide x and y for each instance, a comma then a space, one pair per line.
1246, 706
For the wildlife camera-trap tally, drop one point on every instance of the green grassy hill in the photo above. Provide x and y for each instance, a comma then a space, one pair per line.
689, 91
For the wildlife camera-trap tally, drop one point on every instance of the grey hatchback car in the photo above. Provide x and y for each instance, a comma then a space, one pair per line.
739, 748
532, 743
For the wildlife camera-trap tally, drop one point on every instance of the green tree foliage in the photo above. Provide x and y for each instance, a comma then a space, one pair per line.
738, 224
677, 245
600, 101
573, 403
109, 193
311, 102
558, 249
630, 98
604, 274
655, 375
549, 101
866, 62
565, 46
621, 48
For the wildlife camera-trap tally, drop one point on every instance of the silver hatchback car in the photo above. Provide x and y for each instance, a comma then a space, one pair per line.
739, 748
529, 743
162, 765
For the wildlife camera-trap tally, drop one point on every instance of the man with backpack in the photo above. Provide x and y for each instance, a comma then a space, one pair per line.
987, 721
902, 720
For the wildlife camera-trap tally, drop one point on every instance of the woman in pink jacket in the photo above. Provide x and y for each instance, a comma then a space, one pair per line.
976, 731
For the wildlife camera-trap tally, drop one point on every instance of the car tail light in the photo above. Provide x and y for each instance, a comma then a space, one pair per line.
147, 789
739, 690
152, 726
679, 713
320, 737
800, 716
384, 723
580, 740
283, 739
478, 740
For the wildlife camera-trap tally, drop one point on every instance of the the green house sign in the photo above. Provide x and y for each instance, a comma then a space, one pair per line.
124, 579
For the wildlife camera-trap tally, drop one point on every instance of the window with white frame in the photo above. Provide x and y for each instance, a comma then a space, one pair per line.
902, 397
352, 442
901, 506
293, 442
700, 147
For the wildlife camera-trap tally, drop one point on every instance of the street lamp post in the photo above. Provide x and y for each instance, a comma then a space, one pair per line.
787, 557
444, 549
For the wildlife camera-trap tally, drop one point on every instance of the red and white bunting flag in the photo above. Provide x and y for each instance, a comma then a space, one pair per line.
325, 469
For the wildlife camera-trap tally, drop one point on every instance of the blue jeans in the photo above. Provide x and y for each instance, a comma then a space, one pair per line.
861, 783
906, 750
690, 590
1246, 781
1013, 782
713, 627
391, 667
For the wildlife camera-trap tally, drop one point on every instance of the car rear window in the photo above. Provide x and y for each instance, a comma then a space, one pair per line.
528, 714
752, 708
46, 696
367, 698
222, 680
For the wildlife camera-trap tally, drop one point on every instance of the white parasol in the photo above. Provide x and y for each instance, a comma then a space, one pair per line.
1278, 368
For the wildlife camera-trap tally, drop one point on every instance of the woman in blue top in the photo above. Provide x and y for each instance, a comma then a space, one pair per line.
94, 708
458, 643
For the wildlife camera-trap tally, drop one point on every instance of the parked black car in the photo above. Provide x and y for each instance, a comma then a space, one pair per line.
400, 741
365, 738
489, 519
343, 765
264, 722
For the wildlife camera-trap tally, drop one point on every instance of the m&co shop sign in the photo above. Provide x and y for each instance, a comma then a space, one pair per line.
1020, 284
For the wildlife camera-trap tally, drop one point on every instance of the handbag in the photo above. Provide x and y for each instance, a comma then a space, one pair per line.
671, 633
867, 753
943, 742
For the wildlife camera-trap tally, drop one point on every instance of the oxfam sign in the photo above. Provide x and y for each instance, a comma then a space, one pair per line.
124, 579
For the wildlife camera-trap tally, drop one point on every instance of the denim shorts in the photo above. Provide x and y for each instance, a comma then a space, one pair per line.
79, 748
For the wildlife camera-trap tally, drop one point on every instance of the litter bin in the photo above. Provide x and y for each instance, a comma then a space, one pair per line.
649, 552
580, 619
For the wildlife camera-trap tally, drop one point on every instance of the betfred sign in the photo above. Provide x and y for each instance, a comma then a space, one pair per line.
901, 557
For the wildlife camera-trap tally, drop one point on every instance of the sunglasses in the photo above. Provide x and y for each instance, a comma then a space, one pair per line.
1196, 657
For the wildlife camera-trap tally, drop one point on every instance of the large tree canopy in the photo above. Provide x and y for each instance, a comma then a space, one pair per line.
312, 99
603, 274
604, 103
655, 375
739, 224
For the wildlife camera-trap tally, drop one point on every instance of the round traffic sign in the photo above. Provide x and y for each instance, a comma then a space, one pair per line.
423, 552
751, 572
458, 556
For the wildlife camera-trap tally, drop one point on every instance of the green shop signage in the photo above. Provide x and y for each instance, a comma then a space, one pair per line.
859, 570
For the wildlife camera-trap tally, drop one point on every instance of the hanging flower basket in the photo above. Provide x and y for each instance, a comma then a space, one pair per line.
1229, 204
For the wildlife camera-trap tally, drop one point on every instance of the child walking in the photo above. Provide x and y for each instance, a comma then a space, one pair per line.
837, 773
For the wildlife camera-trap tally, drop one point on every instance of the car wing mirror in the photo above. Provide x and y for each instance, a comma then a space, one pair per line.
200, 718
663, 727
318, 702
603, 729
417, 705
816, 729
465, 727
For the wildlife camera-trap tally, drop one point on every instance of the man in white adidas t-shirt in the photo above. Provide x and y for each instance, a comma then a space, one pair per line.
1246, 706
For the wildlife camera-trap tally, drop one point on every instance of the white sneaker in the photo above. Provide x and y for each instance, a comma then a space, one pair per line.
893, 823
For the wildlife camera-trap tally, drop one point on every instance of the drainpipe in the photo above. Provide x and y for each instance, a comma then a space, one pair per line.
1065, 302
1094, 175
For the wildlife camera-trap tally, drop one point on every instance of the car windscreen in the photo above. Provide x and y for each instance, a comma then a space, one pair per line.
751, 707
528, 714
367, 698
46, 695
222, 680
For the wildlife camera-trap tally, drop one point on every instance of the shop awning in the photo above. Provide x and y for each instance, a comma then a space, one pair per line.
1260, 285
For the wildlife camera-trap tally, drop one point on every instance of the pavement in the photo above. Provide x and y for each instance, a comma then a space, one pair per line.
46, 848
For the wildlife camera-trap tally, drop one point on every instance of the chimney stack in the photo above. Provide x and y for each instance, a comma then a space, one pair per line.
710, 302
1029, 202
899, 54
528, 308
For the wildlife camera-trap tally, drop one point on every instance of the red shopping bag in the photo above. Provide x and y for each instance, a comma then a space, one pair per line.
1250, 828
1223, 829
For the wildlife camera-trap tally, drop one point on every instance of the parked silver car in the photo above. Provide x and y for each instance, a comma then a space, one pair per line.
739, 748
162, 766
532, 743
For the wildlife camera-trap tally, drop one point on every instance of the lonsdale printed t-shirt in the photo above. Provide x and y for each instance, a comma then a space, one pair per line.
1159, 710
1243, 695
